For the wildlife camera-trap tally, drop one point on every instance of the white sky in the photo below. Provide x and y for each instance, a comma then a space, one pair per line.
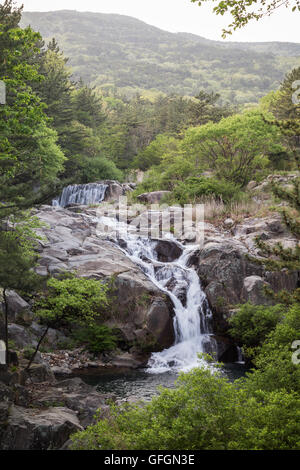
182, 16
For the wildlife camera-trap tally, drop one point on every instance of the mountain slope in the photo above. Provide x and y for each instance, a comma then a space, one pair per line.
114, 50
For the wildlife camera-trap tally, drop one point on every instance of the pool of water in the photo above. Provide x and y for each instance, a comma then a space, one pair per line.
141, 385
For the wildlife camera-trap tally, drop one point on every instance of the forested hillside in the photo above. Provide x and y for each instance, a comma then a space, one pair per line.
119, 51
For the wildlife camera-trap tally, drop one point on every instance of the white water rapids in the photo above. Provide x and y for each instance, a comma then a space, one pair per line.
192, 320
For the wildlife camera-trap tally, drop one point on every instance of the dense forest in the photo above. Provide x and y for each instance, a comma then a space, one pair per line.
63, 125
114, 51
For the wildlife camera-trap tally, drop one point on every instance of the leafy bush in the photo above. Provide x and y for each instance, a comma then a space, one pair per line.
97, 338
252, 323
275, 369
28, 352
204, 411
70, 301
235, 147
152, 154
194, 188
99, 168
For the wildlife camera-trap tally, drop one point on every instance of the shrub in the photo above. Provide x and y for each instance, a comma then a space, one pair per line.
99, 168
251, 324
204, 411
97, 338
195, 188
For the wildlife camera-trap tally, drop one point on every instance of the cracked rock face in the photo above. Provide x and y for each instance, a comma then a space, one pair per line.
43, 416
34, 429
228, 274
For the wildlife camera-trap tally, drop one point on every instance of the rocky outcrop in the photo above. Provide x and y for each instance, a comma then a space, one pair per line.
154, 197
116, 190
73, 244
18, 309
230, 276
31, 429
43, 415
253, 291
168, 250
24, 336
75, 395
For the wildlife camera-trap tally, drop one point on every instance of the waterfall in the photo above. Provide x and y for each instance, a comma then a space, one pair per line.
84, 194
193, 317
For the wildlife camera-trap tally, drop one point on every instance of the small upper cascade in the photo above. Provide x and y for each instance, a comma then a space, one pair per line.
84, 194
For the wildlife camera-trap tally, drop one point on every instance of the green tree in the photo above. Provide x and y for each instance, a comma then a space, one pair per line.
204, 412
152, 155
88, 106
251, 324
233, 148
274, 369
29, 156
69, 301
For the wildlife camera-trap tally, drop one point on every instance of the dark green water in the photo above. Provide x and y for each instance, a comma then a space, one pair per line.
141, 385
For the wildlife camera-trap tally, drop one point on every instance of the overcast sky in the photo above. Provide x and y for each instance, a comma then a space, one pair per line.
183, 16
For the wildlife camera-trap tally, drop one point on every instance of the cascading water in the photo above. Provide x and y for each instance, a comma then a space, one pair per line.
192, 320
84, 194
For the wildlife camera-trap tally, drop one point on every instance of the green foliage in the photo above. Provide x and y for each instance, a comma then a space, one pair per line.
29, 156
17, 259
17, 253
193, 189
27, 352
204, 411
96, 338
71, 300
251, 324
152, 154
104, 52
274, 368
99, 168
235, 147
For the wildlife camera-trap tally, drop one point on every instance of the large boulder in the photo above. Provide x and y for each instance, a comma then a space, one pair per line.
34, 429
159, 323
253, 291
168, 250
227, 269
21, 336
18, 308
154, 197
76, 395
